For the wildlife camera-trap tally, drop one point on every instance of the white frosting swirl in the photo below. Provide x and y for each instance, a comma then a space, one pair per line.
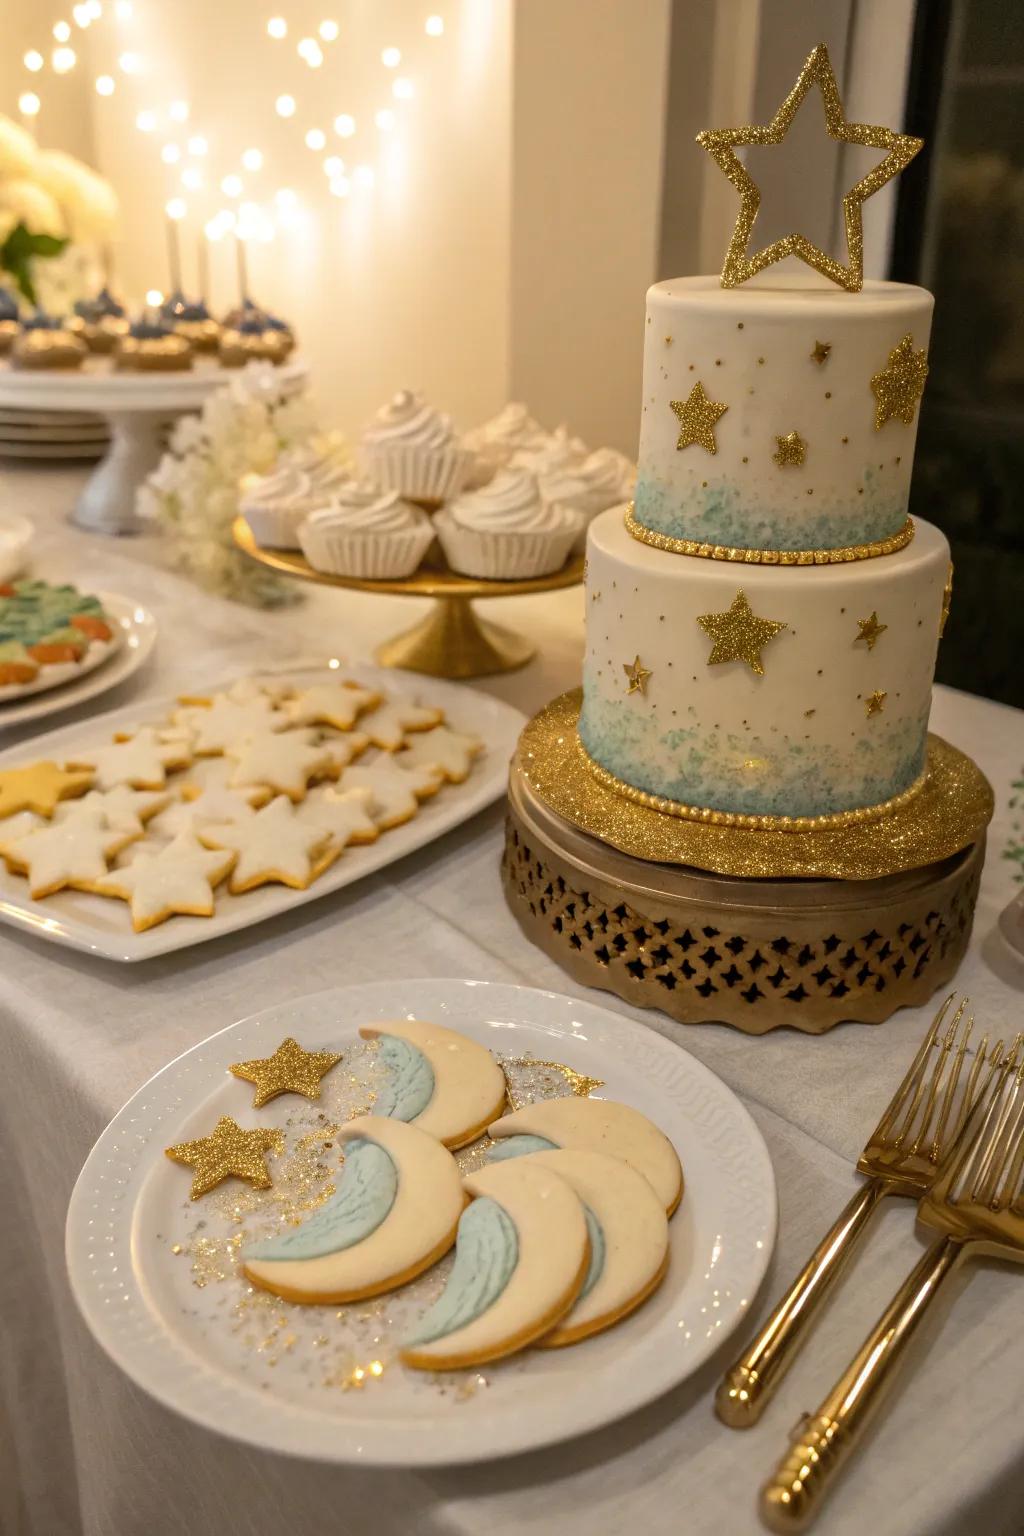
408, 422
285, 489
512, 428
508, 503
325, 473
366, 509
593, 485
557, 452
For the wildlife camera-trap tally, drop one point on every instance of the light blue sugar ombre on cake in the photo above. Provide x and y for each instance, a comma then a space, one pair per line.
716, 513
752, 775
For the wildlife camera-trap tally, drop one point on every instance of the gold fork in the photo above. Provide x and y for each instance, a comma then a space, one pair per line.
900, 1158
977, 1202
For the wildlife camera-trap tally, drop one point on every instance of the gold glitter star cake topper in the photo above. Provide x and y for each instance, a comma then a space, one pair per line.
228, 1152
289, 1070
738, 634
874, 701
821, 352
697, 417
898, 388
870, 629
638, 676
791, 450
722, 143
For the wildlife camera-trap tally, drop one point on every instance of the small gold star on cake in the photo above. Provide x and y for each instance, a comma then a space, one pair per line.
821, 352
874, 701
870, 629
289, 1070
791, 449
638, 676
697, 417
739, 634
228, 1152
899, 387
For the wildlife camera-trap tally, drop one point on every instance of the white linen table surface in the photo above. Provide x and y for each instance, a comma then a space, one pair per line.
84, 1453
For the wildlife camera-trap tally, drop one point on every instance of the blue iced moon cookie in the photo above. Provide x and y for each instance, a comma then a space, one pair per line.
438, 1080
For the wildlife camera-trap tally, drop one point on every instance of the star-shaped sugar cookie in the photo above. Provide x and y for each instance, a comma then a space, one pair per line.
337, 704
71, 853
395, 793
284, 763
450, 752
289, 1070
141, 762
343, 747
386, 726
343, 813
126, 810
180, 878
216, 725
274, 847
215, 803
228, 1152
39, 787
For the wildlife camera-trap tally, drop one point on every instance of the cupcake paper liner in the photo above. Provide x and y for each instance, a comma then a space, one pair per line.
371, 556
509, 555
274, 527
420, 474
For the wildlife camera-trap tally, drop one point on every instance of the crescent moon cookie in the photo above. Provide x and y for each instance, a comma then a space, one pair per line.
141, 762
69, 853
286, 762
337, 704
393, 1215
628, 1240
395, 793
449, 752
595, 1125
180, 878
274, 847
387, 725
39, 787
521, 1258
218, 722
439, 1080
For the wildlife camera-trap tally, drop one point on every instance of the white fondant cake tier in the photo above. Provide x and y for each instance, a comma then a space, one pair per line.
790, 358
837, 720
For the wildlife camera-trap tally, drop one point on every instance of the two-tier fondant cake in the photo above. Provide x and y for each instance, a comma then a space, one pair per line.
762, 624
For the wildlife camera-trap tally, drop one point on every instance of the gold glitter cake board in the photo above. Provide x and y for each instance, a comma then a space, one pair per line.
948, 813
711, 948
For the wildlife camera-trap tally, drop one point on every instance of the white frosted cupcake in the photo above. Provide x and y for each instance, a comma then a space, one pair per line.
590, 486
503, 531
364, 531
412, 449
495, 441
274, 505
557, 454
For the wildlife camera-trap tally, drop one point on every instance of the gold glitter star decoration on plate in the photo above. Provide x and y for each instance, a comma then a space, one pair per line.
578, 1083
739, 634
697, 417
228, 1152
791, 450
898, 388
874, 701
821, 352
722, 143
638, 676
870, 629
289, 1070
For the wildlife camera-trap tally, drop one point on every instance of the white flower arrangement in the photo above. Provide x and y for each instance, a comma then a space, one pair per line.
194, 492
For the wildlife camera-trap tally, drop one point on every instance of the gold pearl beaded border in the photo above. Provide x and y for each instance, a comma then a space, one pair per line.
765, 823
664, 541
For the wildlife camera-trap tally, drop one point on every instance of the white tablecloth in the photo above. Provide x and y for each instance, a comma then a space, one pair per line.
83, 1453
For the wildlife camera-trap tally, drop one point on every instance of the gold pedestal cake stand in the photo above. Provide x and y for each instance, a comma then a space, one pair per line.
452, 641
733, 925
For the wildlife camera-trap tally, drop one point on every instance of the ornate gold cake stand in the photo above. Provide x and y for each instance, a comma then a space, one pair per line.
730, 925
452, 641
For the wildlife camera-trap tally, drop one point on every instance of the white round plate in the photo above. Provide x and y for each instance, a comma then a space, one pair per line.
188, 1347
15, 537
58, 673
137, 628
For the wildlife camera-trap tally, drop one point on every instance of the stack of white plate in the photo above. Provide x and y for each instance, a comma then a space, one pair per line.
32, 434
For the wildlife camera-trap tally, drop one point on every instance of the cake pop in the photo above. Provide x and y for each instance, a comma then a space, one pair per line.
151, 346
46, 342
100, 322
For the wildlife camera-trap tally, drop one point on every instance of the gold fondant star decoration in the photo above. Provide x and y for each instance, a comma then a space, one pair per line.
874, 701
947, 598
739, 634
638, 675
39, 788
870, 629
229, 1152
791, 450
898, 388
289, 1070
821, 352
697, 417
722, 143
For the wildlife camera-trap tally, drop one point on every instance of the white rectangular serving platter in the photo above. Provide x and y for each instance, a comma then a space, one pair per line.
100, 926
